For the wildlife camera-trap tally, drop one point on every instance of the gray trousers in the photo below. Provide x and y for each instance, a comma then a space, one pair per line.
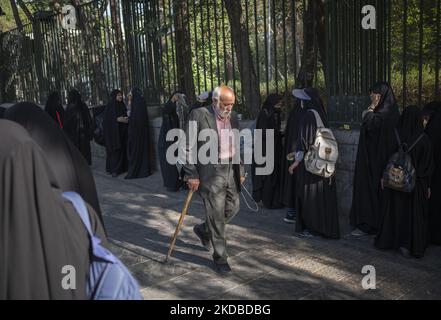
221, 199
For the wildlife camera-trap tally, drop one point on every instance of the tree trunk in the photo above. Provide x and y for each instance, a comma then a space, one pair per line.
321, 39
184, 61
16, 15
25, 10
250, 85
314, 44
91, 33
4, 74
120, 48
229, 67
307, 70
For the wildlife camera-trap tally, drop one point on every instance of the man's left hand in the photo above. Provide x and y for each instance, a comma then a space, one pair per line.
242, 180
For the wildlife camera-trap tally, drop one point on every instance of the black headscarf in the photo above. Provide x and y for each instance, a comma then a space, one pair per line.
170, 108
40, 232
169, 112
271, 101
138, 148
54, 108
387, 107
74, 99
433, 127
67, 164
199, 104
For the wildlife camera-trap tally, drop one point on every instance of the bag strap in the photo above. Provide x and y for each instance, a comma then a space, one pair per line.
318, 120
256, 206
80, 208
398, 138
59, 119
415, 143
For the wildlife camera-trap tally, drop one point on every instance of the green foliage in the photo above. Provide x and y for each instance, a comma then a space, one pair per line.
7, 21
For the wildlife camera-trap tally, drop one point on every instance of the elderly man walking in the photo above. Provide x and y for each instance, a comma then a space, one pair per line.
218, 182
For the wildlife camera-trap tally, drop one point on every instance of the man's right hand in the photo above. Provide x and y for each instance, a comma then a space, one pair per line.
193, 184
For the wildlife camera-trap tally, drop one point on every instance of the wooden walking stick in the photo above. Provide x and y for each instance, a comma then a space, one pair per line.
181, 220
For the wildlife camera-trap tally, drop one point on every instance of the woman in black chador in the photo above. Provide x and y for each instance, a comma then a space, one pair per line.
66, 162
55, 109
138, 146
290, 146
267, 188
115, 134
316, 197
404, 222
78, 124
376, 145
174, 115
432, 120
203, 100
40, 231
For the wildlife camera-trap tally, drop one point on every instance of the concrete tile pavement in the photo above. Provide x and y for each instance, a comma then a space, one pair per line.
268, 260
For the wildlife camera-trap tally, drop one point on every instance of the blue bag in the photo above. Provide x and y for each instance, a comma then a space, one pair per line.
109, 279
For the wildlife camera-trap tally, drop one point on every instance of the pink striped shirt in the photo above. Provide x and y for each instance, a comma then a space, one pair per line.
226, 137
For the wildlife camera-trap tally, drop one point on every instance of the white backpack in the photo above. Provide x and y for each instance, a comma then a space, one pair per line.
322, 156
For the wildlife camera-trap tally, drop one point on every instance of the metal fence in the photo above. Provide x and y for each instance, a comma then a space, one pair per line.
404, 49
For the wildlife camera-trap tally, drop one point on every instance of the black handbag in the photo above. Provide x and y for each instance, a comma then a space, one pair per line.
400, 173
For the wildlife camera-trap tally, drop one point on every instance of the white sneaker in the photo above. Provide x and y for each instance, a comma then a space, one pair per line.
358, 233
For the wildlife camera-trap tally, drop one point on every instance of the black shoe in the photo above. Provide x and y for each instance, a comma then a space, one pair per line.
204, 240
222, 268
114, 175
405, 252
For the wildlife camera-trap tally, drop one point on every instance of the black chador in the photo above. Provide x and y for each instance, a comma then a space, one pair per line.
267, 188
173, 113
41, 233
66, 162
404, 222
115, 134
203, 100
316, 196
78, 124
432, 112
55, 109
377, 143
138, 147
290, 146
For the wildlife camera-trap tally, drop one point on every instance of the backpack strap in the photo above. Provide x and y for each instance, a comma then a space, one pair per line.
415, 143
80, 207
318, 120
398, 138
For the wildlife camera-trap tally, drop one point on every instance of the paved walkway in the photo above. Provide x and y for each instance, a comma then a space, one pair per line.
268, 260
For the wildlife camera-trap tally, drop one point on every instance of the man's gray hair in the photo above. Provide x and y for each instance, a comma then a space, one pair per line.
217, 90
216, 93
